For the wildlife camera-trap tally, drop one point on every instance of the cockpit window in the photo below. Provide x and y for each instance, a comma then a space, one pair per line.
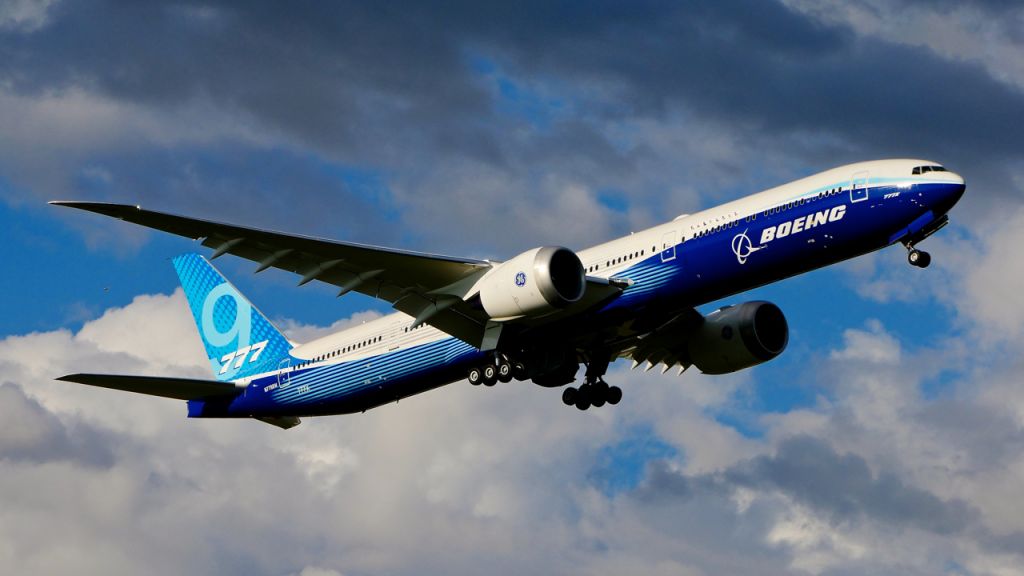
923, 169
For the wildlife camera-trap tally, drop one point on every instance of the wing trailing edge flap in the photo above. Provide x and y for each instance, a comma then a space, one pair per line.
666, 344
177, 388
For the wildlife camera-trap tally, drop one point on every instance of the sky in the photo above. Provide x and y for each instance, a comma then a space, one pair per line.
887, 439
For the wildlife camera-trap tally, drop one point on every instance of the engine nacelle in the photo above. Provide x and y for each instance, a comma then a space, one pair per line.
737, 337
534, 283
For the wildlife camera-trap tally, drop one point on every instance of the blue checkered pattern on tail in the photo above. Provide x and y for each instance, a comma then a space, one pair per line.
239, 340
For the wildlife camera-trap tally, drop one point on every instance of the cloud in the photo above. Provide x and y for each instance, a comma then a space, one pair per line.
358, 122
25, 16
313, 571
486, 473
489, 129
304, 333
33, 434
844, 488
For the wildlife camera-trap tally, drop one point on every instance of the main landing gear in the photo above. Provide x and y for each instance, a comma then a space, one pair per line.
499, 370
594, 393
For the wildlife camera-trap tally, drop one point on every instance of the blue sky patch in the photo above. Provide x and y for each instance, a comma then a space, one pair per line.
621, 466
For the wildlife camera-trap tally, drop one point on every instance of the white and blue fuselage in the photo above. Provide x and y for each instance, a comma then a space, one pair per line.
689, 261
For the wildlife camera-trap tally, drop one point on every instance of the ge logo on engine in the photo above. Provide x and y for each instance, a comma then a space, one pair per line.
521, 279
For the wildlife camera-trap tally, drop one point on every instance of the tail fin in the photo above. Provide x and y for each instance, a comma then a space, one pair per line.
239, 340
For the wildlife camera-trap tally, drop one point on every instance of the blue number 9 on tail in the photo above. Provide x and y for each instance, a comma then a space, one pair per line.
239, 340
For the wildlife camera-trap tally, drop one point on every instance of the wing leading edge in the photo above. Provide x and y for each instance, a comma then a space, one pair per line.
427, 286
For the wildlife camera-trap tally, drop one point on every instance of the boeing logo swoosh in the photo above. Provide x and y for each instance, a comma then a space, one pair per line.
742, 247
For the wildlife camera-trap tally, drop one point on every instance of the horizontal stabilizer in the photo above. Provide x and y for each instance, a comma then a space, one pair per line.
179, 388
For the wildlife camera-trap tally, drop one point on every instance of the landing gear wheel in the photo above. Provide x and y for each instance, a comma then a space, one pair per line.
476, 376
598, 393
583, 397
490, 374
614, 395
504, 372
519, 371
919, 258
569, 396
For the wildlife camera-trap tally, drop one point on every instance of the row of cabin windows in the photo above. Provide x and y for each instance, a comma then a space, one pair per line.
410, 328
718, 228
715, 228
770, 211
344, 350
802, 201
924, 169
619, 260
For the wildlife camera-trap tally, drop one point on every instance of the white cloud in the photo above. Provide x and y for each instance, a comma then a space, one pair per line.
954, 32
303, 333
873, 346
991, 283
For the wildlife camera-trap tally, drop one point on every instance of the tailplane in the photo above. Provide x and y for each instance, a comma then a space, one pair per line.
239, 340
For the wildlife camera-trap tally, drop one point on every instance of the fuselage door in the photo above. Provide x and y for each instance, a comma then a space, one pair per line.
859, 187
284, 374
668, 246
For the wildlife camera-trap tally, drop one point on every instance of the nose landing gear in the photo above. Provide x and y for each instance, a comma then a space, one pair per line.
920, 258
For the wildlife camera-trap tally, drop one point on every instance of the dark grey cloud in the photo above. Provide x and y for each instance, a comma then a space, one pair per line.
989, 7
843, 487
338, 75
507, 105
394, 86
760, 65
35, 435
840, 487
250, 185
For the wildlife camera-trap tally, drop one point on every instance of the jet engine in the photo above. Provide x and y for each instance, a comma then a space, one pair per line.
534, 283
737, 337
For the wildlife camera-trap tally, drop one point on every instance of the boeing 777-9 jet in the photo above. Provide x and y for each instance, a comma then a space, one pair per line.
540, 315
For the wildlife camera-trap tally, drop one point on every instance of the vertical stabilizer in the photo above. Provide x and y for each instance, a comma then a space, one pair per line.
239, 340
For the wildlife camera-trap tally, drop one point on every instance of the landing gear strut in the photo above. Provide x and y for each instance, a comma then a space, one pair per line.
920, 258
594, 391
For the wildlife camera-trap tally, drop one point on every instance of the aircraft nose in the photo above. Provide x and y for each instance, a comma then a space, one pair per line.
949, 193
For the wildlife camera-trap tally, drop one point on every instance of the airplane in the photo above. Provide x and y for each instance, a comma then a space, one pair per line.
540, 315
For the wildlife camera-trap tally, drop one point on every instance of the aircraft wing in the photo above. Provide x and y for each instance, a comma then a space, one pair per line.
178, 388
427, 286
